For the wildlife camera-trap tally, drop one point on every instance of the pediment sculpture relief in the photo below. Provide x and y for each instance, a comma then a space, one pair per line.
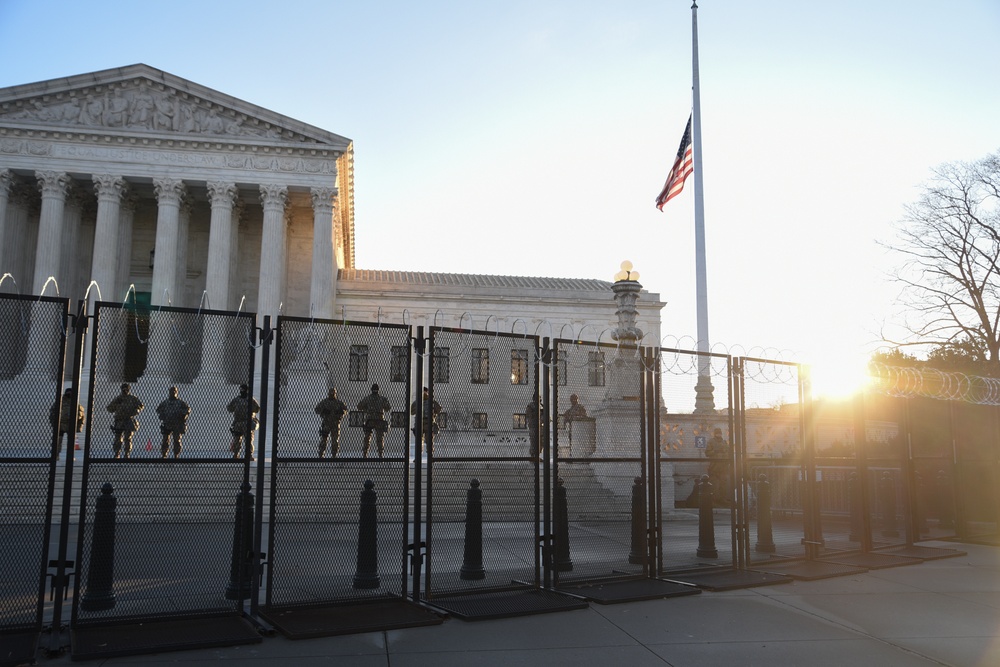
141, 108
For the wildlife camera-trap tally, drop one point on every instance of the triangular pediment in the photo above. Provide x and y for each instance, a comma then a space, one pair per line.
142, 100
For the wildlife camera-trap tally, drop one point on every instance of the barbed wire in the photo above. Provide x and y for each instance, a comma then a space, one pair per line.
910, 382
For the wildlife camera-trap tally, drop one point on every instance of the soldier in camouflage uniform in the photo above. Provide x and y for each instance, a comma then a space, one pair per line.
721, 454
376, 408
63, 421
173, 414
240, 407
124, 407
331, 410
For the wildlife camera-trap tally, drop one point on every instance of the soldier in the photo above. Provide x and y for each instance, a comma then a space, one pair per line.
240, 407
63, 422
125, 407
173, 414
331, 410
531, 421
430, 409
721, 454
575, 411
376, 408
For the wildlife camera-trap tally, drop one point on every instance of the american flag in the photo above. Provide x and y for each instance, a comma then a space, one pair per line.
683, 167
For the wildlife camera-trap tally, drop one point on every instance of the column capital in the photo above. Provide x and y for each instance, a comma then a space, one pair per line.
323, 197
109, 186
273, 196
53, 183
221, 194
169, 190
7, 179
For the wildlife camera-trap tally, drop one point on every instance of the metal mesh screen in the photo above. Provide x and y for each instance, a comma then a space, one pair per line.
483, 384
599, 442
30, 387
696, 439
161, 479
775, 447
331, 538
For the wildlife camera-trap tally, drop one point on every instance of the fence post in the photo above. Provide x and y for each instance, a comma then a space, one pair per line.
100, 593
856, 506
706, 520
561, 561
367, 572
637, 556
472, 563
887, 501
241, 563
765, 530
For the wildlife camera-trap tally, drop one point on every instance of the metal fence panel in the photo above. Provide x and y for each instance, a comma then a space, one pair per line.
339, 507
166, 489
483, 498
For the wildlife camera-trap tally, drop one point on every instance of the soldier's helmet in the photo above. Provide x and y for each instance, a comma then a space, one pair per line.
374, 388
126, 387
244, 390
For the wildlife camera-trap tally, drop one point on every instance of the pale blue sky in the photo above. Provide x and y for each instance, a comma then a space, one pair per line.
531, 138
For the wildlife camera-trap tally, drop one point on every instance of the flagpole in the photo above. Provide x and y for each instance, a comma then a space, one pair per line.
704, 399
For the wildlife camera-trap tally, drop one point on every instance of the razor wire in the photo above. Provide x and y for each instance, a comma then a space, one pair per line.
910, 382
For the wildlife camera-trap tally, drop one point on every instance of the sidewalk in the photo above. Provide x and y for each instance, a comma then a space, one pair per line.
941, 612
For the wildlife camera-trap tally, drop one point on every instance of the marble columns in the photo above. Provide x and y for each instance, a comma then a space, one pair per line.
104, 267
169, 193
323, 289
54, 187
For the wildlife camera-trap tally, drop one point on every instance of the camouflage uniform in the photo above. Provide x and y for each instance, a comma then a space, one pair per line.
173, 414
718, 469
331, 410
430, 409
124, 407
376, 407
63, 422
240, 406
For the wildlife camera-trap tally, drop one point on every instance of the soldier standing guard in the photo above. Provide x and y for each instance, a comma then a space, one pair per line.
125, 407
64, 423
173, 414
244, 408
331, 410
376, 408
430, 409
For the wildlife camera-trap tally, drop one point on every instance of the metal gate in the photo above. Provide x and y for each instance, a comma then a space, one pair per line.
163, 534
34, 331
484, 457
338, 517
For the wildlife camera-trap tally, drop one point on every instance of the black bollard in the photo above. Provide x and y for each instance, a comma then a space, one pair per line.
241, 562
765, 530
887, 501
367, 572
561, 561
856, 507
637, 556
100, 594
946, 509
706, 520
472, 564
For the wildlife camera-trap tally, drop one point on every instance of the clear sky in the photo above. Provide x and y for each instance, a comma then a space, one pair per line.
532, 137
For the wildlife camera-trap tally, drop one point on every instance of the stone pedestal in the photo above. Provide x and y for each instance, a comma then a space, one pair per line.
581, 434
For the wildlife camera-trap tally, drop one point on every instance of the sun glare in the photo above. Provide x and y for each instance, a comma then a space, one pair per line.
839, 379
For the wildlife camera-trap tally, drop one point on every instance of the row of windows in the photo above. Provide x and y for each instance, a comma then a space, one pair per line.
399, 420
399, 366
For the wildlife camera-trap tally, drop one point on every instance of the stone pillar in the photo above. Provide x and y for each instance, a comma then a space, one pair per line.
222, 196
181, 297
6, 181
126, 220
104, 267
272, 251
236, 291
323, 291
14, 249
168, 195
54, 187
73, 283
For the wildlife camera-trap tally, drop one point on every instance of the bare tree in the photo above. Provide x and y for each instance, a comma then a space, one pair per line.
950, 241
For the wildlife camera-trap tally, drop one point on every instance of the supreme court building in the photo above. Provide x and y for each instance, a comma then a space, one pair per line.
133, 178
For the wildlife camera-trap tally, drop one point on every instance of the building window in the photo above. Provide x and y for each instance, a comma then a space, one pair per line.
442, 365
480, 366
519, 367
357, 369
595, 369
399, 364
479, 420
562, 368
398, 419
442, 420
520, 422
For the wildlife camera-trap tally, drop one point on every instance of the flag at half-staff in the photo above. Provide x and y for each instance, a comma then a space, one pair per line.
683, 167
